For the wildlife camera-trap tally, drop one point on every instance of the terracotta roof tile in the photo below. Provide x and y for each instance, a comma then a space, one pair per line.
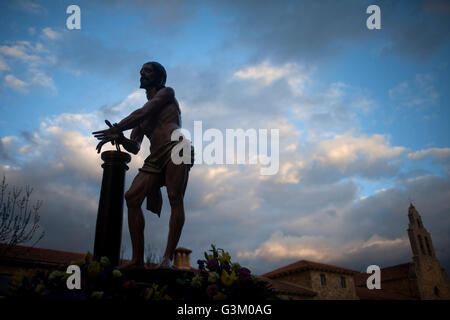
397, 272
40, 255
290, 288
304, 265
56, 257
184, 250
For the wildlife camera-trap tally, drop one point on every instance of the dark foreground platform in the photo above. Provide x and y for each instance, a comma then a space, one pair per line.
174, 279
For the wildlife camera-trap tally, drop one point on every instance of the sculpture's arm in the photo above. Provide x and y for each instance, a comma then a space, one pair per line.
133, 144
162, 98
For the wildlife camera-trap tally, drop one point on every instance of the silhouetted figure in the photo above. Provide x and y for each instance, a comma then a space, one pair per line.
156, 120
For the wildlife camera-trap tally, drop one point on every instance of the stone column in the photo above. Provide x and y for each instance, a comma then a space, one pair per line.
108, 231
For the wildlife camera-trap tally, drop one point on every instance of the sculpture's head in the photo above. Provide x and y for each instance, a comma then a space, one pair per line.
153, 75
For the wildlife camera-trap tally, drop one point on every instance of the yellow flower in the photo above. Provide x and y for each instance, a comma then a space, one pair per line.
149, 294
213, 277
228, 279
94, 269
97, 295
219, 296
104, 261
77, 262
88, 257
224, 257
39, 288
116, 273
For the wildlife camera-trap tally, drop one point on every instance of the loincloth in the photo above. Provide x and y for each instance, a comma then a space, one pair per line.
156, 163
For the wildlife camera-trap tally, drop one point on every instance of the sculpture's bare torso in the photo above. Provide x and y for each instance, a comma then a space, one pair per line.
159, 129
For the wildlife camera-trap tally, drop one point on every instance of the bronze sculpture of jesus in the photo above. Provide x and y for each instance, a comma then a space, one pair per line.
156, 120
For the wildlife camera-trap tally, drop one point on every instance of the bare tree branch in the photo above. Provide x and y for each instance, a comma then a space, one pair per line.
19, 219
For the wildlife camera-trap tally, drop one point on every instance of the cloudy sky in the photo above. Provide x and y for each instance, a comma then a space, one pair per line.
363, 118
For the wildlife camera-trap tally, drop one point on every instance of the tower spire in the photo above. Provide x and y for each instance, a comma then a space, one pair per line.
419, 237
431, 279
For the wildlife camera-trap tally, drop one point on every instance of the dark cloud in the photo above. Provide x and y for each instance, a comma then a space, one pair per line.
417, 28
79, 52
4, 156
311, 30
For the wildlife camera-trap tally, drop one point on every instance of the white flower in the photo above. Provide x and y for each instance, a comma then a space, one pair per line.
196, 281
213, 277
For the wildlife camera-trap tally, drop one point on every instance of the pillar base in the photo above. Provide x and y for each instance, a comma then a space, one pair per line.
108, 231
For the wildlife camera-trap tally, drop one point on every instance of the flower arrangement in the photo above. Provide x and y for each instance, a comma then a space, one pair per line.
220, 279
217, 279
99, 281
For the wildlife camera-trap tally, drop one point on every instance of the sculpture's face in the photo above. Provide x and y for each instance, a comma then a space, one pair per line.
149, 76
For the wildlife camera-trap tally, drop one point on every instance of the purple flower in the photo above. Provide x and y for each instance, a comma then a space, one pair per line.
212, 264
201, 264
244, 275
212, 290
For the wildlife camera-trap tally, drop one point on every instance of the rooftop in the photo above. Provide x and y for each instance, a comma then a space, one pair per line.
401, 271
304, 265
290, 288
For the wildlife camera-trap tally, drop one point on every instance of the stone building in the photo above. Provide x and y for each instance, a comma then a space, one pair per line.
421, 279
324, 281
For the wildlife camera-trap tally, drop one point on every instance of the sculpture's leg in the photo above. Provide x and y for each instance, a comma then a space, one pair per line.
136, 222
176, 182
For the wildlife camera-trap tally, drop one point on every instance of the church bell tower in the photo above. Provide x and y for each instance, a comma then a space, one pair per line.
432, 280
419, 237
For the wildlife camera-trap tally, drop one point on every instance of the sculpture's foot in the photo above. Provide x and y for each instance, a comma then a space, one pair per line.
165, 264
132, 266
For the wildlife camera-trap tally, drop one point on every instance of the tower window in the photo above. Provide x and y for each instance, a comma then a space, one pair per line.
343, 284
436, 291
323, 280
421, 244
428, 246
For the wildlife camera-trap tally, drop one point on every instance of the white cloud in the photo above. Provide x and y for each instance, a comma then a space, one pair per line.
382, 242
342, 150
14, 83
281, 247
51, 34
22, 50
39, 78
438, 153
30, 6
266, 73
3, 65
415, 93
35, 56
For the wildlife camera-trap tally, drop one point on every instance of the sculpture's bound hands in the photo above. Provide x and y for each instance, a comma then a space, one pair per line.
113, 134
